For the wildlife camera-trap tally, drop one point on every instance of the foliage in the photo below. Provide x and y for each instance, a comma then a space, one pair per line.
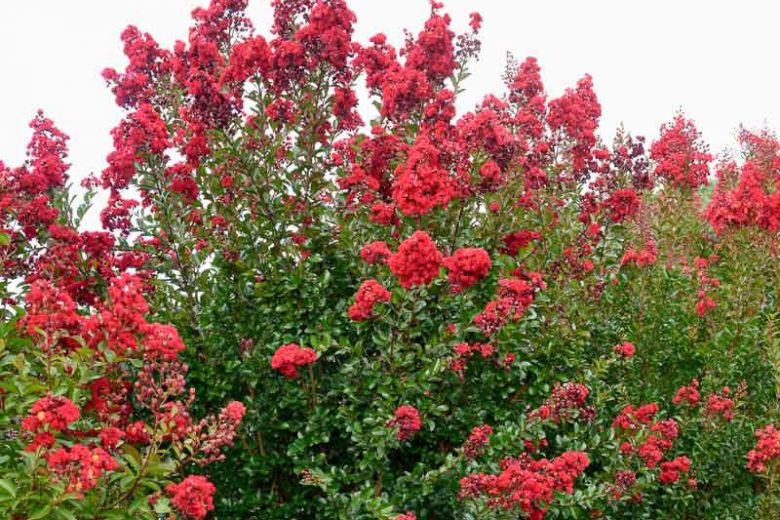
431, 315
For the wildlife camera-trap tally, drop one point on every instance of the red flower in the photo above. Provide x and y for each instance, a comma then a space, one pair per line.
288, 358
235, 411
466, 267
162, 341
137, 433
643, 258
625, 479
421, 183
193, 496
433, 51
720, 405
514, 242
369, 294
688, 394
621, 205
80, 466
56, 411
577, 113
382, 213
631, 418
110, 437
681, 156
565, 399
767, 449
526, 484
479, 437
625, 349
407, 420
41, 440
375, 252
417, 261
475, 21
670, 471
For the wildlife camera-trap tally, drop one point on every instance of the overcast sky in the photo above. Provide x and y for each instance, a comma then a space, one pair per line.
718, 60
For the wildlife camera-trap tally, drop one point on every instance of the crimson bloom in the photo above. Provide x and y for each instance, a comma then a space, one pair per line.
417, 261
288, 358
193, 496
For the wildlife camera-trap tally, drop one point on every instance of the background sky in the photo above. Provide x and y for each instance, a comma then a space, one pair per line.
717, 60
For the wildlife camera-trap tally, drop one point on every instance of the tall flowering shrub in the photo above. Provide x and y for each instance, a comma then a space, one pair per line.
96, 413
427, 310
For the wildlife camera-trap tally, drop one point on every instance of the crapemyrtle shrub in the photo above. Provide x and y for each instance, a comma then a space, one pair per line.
429, 311
96, 415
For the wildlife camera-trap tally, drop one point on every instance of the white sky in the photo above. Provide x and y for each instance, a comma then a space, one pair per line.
715, 59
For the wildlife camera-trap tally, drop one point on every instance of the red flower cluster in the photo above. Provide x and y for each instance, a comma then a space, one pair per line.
369, 294
566, 400
162, 341
526, 484
720, 404
767, 449
654, 446
625, 349
464, 351
110, 437
517, 240
375, 252
631, 419
214, 434
670, 470
288, 358
407, 420
417, 261
747, 195
421, 183
621, 205
642, 258
514, 297
193, 497
479, 437
688, 394
657, 437
466, 267
406, 516
682, 159
577, 113
706, 283
624, 480
56, 412
80, 466
433, 52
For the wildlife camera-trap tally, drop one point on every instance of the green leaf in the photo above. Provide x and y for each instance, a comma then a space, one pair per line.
43, 512
64, 513
7, 486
